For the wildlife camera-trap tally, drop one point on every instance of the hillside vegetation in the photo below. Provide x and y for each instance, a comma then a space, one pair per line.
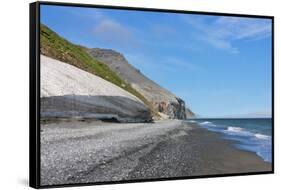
54, 46
164, 101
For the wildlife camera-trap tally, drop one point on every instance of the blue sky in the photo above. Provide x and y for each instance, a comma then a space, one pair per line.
220, 66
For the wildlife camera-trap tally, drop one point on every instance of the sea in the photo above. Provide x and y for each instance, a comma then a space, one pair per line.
250, 134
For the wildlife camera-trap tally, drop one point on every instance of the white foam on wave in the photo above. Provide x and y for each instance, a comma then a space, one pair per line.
205, 122
261, 136
234, 129
208, 123
248, 140
238, 131
191, 121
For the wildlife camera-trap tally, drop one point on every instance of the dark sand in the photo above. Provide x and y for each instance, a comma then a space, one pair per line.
200, 153
83, 152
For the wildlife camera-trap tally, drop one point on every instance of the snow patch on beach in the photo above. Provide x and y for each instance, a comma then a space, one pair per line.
67, 91
59, 78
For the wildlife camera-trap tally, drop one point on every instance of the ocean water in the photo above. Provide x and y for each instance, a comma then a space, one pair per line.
250, 134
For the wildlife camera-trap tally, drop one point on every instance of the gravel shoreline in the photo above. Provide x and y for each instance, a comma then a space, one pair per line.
92, 151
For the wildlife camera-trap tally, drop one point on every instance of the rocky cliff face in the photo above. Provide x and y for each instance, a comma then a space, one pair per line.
161, 99
189, 113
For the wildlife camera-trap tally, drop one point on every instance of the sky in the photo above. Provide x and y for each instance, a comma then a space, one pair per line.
219, 65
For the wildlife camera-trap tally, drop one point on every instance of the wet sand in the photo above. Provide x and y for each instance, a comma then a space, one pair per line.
92, 151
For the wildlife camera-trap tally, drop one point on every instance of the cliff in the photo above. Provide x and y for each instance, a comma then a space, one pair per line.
112, 67
162, 100
189, 113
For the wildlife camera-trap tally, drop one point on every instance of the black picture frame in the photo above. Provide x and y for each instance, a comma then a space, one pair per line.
34, 91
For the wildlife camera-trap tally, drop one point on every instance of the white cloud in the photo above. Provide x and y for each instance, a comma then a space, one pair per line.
115, 33
87, 13
244, 28
221, 32
111, 29
107, 29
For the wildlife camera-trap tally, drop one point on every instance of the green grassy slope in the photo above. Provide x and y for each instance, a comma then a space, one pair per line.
54, 46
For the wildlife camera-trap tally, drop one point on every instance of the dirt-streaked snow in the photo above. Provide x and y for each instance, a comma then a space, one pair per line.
59, 78
69, 91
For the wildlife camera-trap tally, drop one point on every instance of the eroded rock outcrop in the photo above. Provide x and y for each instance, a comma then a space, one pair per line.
162, 100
